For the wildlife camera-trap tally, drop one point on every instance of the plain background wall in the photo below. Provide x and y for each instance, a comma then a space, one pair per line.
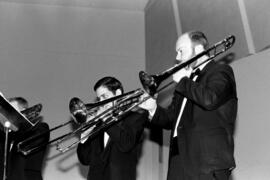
258, 16
49, 54
217, 18
252, 128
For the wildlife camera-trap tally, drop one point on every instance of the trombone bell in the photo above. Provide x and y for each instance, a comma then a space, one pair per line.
78, 110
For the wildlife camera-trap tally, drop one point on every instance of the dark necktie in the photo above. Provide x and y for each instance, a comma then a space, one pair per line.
195, 73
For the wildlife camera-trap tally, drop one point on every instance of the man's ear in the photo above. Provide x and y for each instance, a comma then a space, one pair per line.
118, 92
198, 48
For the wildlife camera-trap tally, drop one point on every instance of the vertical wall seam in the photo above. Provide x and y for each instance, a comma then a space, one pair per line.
248, 35
177, 17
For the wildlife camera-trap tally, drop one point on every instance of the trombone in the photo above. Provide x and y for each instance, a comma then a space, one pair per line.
122, 105
81, 114
32, 113
151, 83
25, 146
86, 116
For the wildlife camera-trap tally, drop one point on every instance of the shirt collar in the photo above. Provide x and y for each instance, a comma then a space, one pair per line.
201, 66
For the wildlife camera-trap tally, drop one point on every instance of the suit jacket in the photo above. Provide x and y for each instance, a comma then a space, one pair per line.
205, 132
2, 150
28, 167
118, 160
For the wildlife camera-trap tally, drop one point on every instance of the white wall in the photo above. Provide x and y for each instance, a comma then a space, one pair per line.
252, 131
258, 15
49, 54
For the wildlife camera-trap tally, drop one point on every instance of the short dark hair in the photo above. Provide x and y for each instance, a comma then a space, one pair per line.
198, 37
20, 100
109, 82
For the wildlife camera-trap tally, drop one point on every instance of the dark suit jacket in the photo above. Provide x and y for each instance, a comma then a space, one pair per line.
2, 150
28, 167
205, 131
119, 158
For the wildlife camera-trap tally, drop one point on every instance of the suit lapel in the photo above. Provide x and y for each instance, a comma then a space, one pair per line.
206, 68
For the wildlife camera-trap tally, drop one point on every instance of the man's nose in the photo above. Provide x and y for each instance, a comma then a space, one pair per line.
179, 56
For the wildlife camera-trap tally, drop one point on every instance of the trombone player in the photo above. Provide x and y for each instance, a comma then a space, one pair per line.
26, 167
201, 115
113, 153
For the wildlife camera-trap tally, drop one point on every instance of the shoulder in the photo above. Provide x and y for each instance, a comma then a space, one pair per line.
215, 67
134, 117
39, 128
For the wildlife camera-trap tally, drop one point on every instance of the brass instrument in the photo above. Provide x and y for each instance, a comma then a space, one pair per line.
81, 113
85, 114
151, 82
122, 105
25, 146
32, 113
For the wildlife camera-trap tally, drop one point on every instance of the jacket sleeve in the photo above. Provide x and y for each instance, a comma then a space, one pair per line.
127, 133
166, 117
84, 152
215, 90
39, 135
40, 128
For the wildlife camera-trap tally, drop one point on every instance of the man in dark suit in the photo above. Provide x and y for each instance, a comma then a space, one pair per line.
29, 167
201, 115
26, 167
114, 153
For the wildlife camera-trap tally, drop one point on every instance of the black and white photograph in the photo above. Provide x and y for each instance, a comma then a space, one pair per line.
134, 89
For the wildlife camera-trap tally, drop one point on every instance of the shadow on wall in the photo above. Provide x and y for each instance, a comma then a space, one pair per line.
63, 164
227, 59
265, 48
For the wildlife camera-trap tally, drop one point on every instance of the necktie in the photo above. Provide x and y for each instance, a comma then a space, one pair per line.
195, 73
